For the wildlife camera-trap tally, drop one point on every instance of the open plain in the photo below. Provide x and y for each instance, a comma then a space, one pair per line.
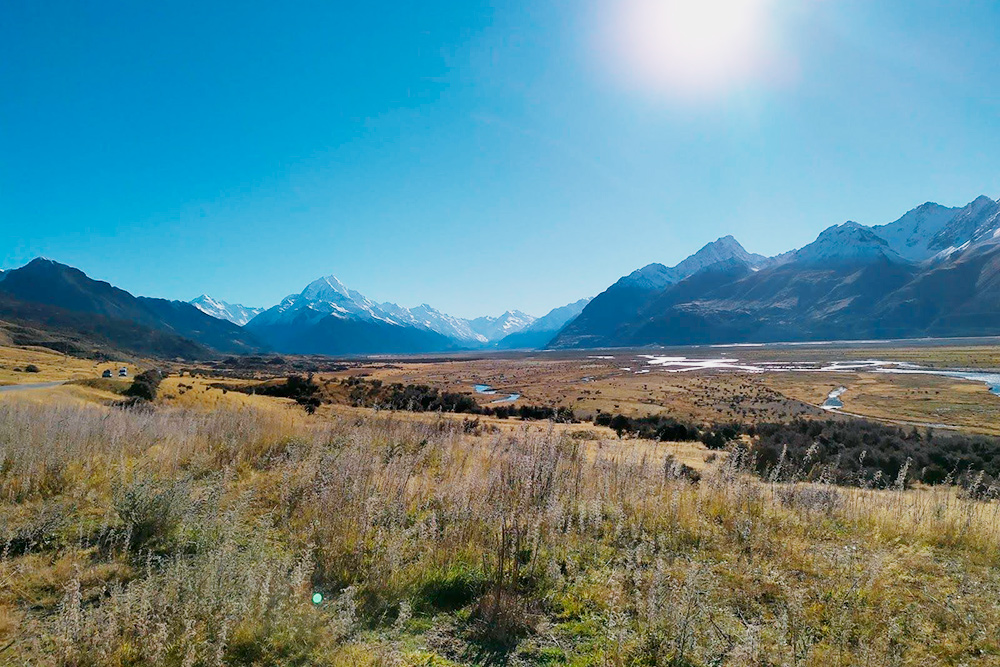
219, 525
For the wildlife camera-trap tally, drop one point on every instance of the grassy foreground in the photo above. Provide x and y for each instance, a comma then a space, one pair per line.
193, 537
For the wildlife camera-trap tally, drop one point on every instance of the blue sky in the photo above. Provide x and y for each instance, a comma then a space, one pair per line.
474, 155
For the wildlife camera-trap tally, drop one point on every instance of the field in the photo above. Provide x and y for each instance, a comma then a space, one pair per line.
591, 382
49, 366
217, 527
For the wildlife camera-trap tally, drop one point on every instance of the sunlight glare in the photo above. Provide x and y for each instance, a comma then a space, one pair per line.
690, 47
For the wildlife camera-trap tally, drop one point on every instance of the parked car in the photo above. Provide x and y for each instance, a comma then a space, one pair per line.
106, 374
123, 372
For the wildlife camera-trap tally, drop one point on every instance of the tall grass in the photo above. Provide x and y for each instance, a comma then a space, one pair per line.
198, 538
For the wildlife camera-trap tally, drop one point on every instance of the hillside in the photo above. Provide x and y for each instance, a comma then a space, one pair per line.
46, 296
250, 534
933, 272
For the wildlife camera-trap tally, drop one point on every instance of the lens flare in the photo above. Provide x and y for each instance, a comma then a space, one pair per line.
690, 47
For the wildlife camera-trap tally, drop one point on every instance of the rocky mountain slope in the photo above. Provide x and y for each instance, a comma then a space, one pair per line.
933, 272
48, 296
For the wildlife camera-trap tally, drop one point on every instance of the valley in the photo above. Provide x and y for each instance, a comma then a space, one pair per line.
624, 333
368, 530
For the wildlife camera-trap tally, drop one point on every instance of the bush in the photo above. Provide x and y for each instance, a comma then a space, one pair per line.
448, 589
150, 512
31, 368
662, 428
146, 385
303, 390
855, 451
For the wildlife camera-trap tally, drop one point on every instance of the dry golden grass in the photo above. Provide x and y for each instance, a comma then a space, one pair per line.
186, 536
592, 385
52, 366
588, 385
921, 399
198, 393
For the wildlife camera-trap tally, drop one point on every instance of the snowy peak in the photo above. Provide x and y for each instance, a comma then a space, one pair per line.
978, 221
426, 317
329, 298
656, 277
912, 234
724, 249
326, 289
495, 328
650, 277
847, 242
233, 312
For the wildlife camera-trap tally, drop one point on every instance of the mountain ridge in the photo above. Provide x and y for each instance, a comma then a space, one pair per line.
236, 313
46, 293
853, 281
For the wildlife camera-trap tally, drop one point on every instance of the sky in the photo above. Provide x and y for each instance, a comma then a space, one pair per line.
476, 156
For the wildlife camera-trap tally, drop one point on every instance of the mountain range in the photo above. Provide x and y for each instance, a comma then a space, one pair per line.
233, 312
50, 304
933, 272
329, 318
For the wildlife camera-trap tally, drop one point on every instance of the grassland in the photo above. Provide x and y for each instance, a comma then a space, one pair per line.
198, 534
49, 366
199, 530
608, 382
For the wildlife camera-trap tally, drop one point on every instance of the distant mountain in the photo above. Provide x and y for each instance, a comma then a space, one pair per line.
232, 312
540, 332
497, 328
46, 295
601, 318
426, 317
849, 242
957, 296
328, 318
976, 222
911, 235
933, 272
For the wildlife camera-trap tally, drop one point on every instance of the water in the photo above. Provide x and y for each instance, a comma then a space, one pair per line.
991, 380
488, 390
833, 401
683, 364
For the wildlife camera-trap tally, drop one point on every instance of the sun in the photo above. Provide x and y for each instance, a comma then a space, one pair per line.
689, 47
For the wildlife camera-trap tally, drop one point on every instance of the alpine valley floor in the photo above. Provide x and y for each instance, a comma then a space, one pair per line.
219, 525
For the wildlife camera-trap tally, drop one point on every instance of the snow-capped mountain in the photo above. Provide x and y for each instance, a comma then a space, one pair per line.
233, 312
300, 322
495, 328
933, 272
430, 318
978, 221
545, 328
912, 234
658, 276
601, 317
847, 242
930, 232
721, 250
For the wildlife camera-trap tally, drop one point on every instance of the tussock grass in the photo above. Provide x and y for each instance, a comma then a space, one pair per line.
187, 537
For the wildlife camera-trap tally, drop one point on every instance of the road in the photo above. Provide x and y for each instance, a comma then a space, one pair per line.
26, 387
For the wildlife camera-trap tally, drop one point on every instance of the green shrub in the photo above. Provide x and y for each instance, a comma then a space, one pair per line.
146, 385
448, 589
151, 512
